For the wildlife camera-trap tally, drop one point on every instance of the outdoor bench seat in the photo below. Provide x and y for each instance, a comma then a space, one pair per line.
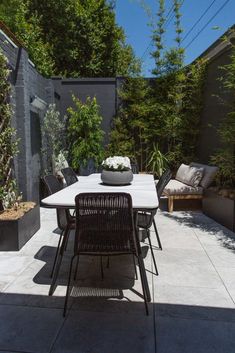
189, 183
177, 190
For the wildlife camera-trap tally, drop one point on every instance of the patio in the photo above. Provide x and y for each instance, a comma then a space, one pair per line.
192, 308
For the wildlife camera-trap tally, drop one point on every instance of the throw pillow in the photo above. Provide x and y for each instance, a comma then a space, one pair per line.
189, 175
209, 174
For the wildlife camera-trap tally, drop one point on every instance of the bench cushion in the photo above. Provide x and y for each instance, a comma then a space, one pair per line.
176, 187
209, 174
190, 175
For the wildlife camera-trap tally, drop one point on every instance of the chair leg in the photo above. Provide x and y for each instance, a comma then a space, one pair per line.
76, 268
152, 252
136, 275
68, 286
59, 260
144, 283
56, 255
157, 235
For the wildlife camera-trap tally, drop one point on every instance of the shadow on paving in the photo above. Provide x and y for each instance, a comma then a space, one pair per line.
89, 269
198, 221
99, 325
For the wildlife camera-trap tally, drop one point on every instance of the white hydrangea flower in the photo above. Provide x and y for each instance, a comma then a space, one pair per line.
117, 163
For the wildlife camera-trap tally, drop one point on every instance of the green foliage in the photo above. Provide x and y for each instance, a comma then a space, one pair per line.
158, 38
157, 162
15, 13
121, 142
71, 37
191, 108
164, 113
8, 143
53, 134
168, 92
84, 133
224, 158
127, 137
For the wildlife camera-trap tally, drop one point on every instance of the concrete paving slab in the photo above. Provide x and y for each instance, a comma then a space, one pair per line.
28, 329
221, 257
191, 275
193, 296
105, 333
197, 296
176, 335
13, 264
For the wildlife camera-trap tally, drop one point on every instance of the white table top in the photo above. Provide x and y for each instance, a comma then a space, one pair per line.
142, 190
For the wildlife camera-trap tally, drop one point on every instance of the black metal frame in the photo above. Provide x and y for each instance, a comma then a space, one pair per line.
146, 218
64, 220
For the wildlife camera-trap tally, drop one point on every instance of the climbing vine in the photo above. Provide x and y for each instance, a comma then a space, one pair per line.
8, 143
224, 157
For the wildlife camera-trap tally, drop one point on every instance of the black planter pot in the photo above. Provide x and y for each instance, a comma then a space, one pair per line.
219, 208
15, 233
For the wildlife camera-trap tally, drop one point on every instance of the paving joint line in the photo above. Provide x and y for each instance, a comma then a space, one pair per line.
214, 267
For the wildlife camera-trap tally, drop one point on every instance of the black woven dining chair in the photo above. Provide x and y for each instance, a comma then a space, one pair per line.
135, 168
65, 221
105, 227
69, 175
146, 219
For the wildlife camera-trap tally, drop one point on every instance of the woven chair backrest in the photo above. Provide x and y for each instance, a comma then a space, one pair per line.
53, 185
104, 223
69, 175
163, 181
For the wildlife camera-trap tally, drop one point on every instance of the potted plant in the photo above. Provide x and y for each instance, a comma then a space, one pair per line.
116, 171
18, 221
85, 135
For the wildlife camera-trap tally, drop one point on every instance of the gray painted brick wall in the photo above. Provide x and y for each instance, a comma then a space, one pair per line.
27, 119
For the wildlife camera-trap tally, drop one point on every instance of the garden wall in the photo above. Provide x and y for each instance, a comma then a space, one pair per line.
214, 109
104, 89
26, 84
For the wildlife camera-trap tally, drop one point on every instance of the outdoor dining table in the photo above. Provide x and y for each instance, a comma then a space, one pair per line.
142, 190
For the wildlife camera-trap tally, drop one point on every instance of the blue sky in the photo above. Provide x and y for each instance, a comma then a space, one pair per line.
133, 18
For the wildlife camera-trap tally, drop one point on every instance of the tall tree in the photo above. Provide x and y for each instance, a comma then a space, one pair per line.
76, 38
168, 92
128, 134
15, 13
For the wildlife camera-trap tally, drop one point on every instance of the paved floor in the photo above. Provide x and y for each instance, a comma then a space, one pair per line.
192, 308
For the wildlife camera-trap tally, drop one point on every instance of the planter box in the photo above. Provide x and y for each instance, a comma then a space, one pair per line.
15, 233
219, 208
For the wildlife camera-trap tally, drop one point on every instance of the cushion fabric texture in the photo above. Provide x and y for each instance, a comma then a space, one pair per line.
190, 175
209, 174
175, 187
